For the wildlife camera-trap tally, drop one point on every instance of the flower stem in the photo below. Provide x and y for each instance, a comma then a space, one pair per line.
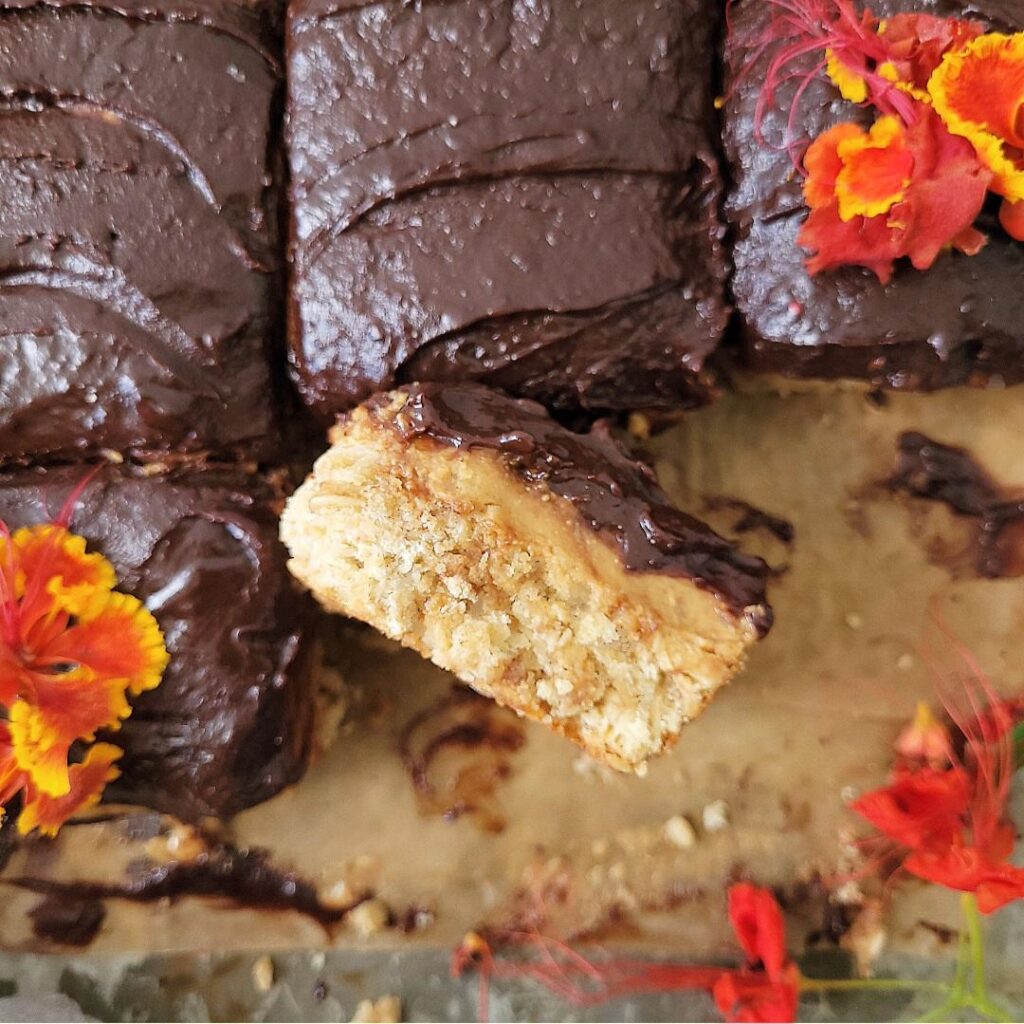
870, 984
970, 964
979, 997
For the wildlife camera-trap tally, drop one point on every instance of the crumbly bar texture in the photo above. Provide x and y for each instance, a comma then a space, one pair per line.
450, 549
514, 232
139, 270
232, 720
960, 322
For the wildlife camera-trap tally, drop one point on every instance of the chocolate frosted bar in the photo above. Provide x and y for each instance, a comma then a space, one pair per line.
960, 321
545, 568
521, 194
231, 722
138, 264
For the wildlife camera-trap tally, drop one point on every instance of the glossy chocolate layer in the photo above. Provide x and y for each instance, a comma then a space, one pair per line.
961, 321
138, 262
616, 496
230, 724
522, 194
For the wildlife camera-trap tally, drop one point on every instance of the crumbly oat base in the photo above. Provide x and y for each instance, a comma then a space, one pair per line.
500, 582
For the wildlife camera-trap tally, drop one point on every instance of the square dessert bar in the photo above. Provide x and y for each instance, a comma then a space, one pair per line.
231, 722
138, 271
960, 321
545, 568
520, 194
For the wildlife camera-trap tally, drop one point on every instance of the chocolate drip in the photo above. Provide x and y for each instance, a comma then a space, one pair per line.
615, 495
68, 919
938, 472
247, 878
751, 518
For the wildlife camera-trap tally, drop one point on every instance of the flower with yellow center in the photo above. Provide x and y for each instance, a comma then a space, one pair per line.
72, 650
978, 91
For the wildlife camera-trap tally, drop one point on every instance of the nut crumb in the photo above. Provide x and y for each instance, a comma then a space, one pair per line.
679, 832
368, 918
715, 816
338, 896
263, 973
854, 620
386, 1010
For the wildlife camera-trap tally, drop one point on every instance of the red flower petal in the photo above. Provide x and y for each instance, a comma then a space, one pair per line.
920, 809
11, 776
966, 869
757, 921
744, 996
947, 192
917, 43
1011, 216
933, 210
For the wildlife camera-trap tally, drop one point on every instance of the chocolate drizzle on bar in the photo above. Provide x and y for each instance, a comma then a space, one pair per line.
617, 496
938, 472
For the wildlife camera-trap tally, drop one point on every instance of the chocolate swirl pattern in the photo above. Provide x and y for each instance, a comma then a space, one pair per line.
549, 231
138, 272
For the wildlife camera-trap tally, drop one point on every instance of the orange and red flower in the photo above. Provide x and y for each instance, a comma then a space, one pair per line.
978, 91
894, 191
950, 128
72, 649
916, 43
949, 826
768, 988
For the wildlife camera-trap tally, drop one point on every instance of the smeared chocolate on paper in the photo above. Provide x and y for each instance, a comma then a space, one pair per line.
931, 471
457, 752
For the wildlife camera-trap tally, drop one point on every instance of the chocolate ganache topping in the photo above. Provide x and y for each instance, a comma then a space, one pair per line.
139, 262
514, 232
616, 496
231, 722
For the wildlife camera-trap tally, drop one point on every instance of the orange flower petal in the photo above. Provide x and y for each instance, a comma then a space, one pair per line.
116, 637
12, 675
66, 707
12, 778
851, 85
877, 168
58, 560
934, 210
978, 92
1011, 216
822, 164
87, 781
